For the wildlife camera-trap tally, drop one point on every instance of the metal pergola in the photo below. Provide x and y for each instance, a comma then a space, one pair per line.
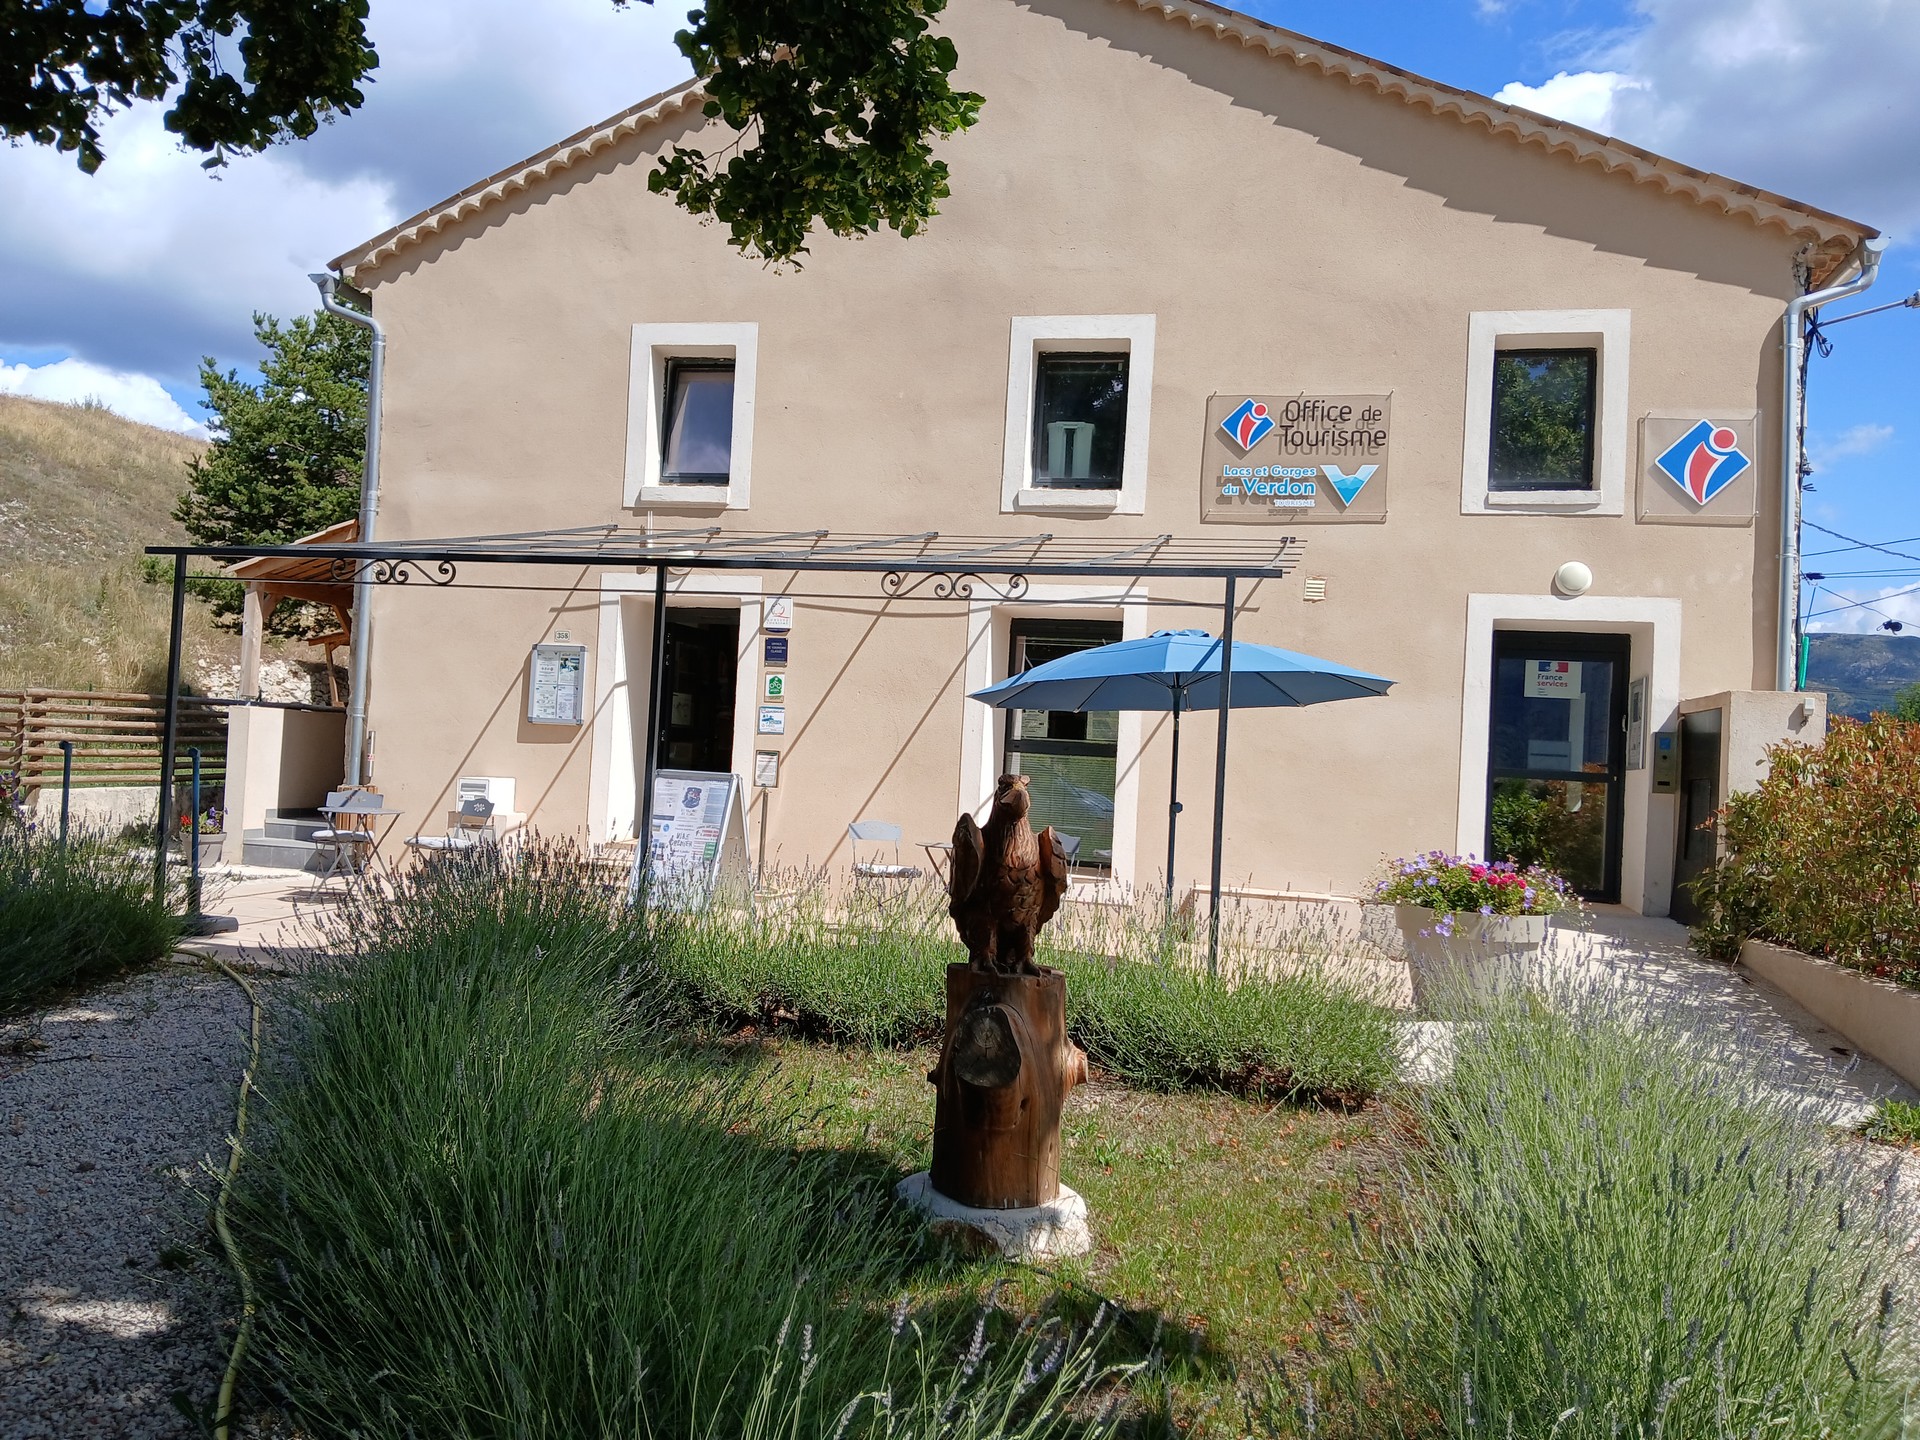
945, 566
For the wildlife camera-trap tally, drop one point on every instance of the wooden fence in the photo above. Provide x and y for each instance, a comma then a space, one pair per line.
116, 737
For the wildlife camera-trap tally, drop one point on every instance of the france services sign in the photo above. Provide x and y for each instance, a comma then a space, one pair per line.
1291, 458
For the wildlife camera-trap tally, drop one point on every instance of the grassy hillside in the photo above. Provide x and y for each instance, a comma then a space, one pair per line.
81, 491
1862, 673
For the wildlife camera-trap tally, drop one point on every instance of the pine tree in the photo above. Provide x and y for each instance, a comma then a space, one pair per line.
286, 454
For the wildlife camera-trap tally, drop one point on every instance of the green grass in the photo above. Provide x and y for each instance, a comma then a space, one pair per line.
73, 915
1894, 1122
1220, 1225
1279, 1022
498, 1202
1616, 1234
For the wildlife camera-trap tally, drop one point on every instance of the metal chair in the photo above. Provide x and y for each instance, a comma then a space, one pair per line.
879, 879
472, 826
879, 833
1069, 849
348, 839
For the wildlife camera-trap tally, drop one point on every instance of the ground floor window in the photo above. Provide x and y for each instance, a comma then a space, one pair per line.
1071, 757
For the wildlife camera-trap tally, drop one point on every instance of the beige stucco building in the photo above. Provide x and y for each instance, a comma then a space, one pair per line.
1165, 212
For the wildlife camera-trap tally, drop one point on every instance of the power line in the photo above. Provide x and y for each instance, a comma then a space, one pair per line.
1859, 544
1842, 549
1866, 605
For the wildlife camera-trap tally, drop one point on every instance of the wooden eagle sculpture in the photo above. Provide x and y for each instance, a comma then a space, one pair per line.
1006, 882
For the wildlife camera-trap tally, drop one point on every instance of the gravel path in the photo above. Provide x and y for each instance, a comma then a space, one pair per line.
111, 1303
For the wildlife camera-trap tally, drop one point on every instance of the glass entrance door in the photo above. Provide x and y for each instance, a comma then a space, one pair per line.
696, 714
1557, 755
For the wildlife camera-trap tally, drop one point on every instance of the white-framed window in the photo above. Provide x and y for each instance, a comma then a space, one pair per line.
690, 416
1546, 420
1079, 396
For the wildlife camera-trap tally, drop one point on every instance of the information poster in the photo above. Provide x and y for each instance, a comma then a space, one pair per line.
557, 688
699, 840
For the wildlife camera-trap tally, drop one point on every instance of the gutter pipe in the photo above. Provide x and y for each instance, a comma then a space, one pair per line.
1792, 400
369, 508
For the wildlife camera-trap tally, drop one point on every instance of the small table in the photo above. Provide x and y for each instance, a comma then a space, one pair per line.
939, 857
371, 813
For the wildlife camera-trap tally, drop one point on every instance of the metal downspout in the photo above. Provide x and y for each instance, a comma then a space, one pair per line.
369, 508
1792, 397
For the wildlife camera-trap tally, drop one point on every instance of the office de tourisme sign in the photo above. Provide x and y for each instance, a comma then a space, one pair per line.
1291, 458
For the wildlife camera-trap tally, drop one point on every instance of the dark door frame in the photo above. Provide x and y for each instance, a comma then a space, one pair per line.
1571, 645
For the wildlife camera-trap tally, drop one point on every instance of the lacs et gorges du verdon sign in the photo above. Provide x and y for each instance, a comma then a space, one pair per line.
1295, 457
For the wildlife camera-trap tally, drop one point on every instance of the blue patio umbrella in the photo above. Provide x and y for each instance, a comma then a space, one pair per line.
1176, 671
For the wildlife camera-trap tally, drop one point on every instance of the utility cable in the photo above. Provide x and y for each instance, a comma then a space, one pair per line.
1859, 544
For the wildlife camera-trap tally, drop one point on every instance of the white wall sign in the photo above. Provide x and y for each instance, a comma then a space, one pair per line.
1551, 679
557, 687
766, 769
773, 719
778, 614
776, 687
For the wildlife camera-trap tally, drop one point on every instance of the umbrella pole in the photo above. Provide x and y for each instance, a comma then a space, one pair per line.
1173, 799
1220, 781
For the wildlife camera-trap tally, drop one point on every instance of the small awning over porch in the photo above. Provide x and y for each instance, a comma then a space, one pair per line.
269, 579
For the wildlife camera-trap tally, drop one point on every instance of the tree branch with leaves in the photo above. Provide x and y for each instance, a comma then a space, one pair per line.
841, 101
834, 104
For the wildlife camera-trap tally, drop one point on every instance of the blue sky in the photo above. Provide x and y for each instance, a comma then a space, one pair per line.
118, 283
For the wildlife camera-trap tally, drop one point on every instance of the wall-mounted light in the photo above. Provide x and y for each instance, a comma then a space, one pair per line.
1572, 579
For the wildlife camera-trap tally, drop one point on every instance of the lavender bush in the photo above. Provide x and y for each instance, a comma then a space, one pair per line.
1617, 1232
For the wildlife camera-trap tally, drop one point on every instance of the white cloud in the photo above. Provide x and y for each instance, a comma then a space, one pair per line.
137, 397
1854, 440
1813, 101
1861, 612
152, 262
1584, 98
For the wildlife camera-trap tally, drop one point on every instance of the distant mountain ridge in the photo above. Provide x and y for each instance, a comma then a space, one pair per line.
1862, 673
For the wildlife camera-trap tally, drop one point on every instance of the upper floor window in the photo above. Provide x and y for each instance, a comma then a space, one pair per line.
698, 429
1079, 392
690, 416
1079, 420
1543, 419
1546, 414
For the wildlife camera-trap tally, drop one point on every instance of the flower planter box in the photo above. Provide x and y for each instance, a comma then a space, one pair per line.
1878, 1018
1483, 958
210, 847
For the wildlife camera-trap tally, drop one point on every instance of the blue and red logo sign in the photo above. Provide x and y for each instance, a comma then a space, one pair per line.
1704, 461
1248, 425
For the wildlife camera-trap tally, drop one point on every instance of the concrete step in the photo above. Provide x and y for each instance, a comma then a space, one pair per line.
279, 852
294, 827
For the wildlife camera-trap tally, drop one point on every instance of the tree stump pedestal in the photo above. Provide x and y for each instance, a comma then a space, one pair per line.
1005, 1068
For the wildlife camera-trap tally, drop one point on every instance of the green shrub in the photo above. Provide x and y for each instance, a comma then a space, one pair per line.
1825, 856
1277, 1024
493, 1204
73, 914
1611, 1235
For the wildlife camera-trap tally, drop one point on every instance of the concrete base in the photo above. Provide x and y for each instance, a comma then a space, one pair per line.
1043, 1232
